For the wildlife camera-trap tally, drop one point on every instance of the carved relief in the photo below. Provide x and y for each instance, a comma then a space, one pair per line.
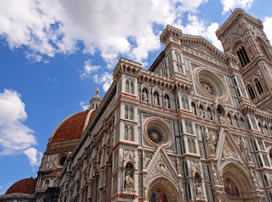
211, 142
229, 151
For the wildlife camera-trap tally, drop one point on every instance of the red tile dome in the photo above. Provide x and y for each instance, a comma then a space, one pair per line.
72, 127
25, 186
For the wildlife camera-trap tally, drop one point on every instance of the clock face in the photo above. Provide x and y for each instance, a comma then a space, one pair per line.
208, 86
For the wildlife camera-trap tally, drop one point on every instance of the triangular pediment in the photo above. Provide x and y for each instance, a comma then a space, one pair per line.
202, 45
159, 166
231, 149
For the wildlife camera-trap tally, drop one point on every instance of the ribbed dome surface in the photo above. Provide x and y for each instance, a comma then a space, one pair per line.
71, 128
25, 186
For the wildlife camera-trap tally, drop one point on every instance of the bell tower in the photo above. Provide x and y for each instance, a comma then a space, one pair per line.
242, 35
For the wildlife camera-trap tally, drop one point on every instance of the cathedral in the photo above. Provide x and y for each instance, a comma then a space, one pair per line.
195, 127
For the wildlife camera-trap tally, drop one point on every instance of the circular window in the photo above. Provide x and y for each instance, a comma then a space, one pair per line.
60, 161
210, 84
155, 135
158, 132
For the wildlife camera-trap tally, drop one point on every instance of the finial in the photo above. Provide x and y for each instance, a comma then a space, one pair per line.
97, 91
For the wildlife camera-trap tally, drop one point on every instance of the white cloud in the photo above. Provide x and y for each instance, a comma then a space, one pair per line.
88, 68
268, 27
84, 105
105, 79
197, 27
34, 156
232, 4
55, 26
15, 137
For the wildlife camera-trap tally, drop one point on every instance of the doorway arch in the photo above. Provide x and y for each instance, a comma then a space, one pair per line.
237, 183
164, 189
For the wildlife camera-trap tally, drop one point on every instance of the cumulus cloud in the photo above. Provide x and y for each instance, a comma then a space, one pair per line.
105, 79
89, 71
34, 156
88, 68
15, 136
197, 27
111, 27
232, 4
268, 27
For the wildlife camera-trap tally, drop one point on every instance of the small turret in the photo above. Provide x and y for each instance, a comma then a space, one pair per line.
95, 101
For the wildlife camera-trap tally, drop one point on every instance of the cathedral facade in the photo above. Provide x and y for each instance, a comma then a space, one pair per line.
195, 126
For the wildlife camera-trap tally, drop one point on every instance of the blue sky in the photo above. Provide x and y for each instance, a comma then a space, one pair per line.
55, 53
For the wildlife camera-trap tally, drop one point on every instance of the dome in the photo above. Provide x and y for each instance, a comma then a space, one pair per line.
25, 186
72, 127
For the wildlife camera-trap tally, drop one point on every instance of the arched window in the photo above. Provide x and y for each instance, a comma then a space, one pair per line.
126, 112
132, 87
131, 134
242, 123
201, 112
265, 180
127, 86
229, 119
185, 102
220, 114
46, 184
265, 130
210, 116
259, 86
131, 113
264, 51
251, 92
235, 121
243, 57
261, 127
194, 108
197, 178
126, 132
62, 161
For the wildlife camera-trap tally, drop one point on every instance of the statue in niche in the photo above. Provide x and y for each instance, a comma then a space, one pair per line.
156, 99
166, 102
214, 174
255, 181
198, 189
129, 171
220, 115
211, 139
144, 95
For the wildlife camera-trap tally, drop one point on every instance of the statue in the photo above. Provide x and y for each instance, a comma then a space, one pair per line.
156, 99
129, 180
198, 190
166, 102
211, 139
144, 95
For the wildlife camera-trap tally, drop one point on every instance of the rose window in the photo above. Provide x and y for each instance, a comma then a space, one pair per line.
210, 84
155, 135
158, 132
